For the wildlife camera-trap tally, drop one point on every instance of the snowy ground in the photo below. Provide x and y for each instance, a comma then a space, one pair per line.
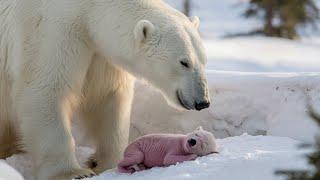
8, 173
245, 157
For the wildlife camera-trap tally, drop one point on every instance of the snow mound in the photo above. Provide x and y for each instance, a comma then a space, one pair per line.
245, 157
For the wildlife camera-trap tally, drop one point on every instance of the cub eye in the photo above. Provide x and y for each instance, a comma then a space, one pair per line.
185, 64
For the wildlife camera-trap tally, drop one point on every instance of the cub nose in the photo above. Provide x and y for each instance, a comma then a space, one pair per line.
192, 142
202, 105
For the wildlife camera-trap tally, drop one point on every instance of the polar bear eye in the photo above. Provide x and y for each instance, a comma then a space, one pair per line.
185, 64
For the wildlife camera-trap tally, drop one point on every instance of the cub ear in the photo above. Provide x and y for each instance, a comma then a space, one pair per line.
195, 21
143, 30
199, 128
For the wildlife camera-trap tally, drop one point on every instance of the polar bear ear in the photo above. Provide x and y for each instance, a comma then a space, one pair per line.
199, 128
195, 21
143, 30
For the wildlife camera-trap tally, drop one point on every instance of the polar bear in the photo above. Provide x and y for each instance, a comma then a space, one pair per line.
64, 58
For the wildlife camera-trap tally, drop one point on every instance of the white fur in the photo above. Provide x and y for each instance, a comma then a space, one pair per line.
65, 56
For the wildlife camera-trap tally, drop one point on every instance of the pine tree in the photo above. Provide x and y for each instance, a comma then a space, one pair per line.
187, 7
282, 17
313, 159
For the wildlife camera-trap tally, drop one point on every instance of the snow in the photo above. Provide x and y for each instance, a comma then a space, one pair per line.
8, 173
262, 54
23, 163
245, 157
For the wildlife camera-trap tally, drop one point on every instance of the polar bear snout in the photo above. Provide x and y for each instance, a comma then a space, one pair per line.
201, 93
202, 105
197, 105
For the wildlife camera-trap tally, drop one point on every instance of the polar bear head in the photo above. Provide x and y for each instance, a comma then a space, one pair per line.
171, 57
162, 46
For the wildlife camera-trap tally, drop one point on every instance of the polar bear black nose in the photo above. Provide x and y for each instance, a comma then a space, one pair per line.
202, 105
192, 142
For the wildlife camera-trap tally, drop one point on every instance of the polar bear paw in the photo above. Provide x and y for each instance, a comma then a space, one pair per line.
96, 166
77, 174
82, 174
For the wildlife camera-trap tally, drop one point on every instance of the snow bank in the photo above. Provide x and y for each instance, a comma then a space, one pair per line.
254, 103
8, 173
244, 157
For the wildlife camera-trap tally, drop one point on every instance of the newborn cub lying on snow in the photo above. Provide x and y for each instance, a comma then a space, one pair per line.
166, 149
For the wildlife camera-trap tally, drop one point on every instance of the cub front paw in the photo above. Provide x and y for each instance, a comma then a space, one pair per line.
137, 167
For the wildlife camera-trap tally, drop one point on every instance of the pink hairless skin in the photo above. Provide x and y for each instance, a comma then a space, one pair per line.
158, 150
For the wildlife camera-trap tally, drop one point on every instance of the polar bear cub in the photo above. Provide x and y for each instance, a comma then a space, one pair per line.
166, 149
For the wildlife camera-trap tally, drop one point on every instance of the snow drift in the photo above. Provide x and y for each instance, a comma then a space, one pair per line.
256, 103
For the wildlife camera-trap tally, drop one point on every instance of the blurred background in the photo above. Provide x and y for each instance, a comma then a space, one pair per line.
258, 35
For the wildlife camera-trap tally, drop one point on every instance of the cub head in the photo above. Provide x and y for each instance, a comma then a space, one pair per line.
200, 142
171, 57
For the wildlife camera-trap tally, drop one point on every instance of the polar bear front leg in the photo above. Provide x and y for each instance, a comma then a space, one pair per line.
46, 96
109, 125
47, 134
